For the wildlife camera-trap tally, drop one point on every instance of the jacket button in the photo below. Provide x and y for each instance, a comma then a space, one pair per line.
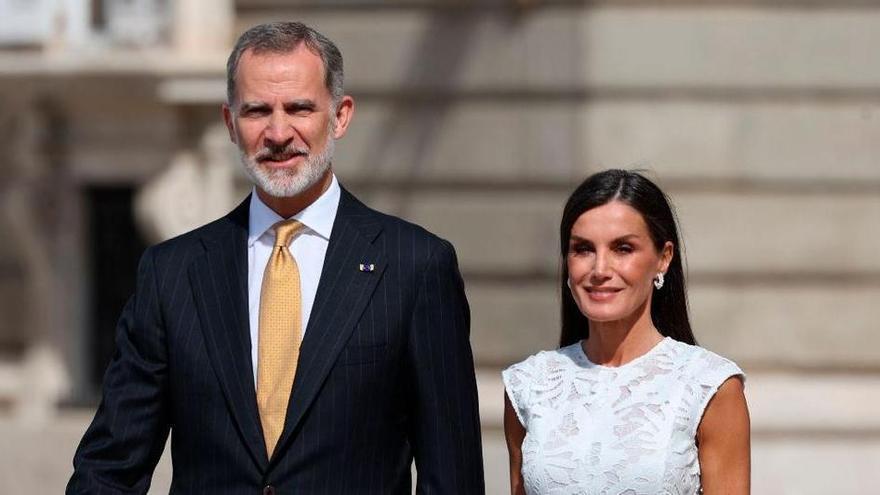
269, 490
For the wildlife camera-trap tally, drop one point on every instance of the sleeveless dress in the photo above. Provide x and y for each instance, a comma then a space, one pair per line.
627, 430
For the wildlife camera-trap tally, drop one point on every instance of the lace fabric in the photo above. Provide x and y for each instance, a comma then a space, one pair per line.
627, 430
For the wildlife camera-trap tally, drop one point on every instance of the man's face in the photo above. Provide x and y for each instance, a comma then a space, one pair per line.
283, 120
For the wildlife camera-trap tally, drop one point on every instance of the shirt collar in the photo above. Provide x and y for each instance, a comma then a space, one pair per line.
318, 217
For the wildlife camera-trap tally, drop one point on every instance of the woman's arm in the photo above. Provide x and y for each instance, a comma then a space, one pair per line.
723, 439
514, 432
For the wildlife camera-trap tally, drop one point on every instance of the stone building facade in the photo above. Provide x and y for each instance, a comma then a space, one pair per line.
476, 119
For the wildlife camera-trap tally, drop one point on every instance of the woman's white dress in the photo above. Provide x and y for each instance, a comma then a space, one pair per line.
627, 430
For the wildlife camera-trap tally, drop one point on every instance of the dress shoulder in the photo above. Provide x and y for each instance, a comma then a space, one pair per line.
518, 379
706, 371
521, 378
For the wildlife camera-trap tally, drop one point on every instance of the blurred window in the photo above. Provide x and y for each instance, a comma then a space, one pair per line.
26, 22
134, 22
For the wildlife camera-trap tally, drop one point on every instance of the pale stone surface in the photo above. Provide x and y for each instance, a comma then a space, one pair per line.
763, 325
118, 132
200, 25
40, 459
460, 141
508, 323
606, 47
773, 233
800, 426
761, 235
493, 232
731, 47
752, 141
821, 403
43, 382
450, 48
779, 403
195, 188
12, 297
27, 22
804, 325
815, 466
762, 123
785, 410
562, 141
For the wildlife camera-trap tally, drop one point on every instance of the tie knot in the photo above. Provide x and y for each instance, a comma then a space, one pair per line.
285, 230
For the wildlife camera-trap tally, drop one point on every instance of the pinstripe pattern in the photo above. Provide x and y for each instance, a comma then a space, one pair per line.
385, 374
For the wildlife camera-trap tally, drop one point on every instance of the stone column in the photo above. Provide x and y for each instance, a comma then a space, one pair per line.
37, 378
197, 187
202, 25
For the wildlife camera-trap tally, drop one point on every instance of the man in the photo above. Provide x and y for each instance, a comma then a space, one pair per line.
304, 343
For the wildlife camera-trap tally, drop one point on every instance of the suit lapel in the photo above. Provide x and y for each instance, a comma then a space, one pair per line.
343, 292
219, 281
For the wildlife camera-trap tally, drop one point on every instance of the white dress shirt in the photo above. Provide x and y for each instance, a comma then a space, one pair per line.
308, 249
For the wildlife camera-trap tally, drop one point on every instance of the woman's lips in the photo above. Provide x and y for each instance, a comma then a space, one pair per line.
602, 294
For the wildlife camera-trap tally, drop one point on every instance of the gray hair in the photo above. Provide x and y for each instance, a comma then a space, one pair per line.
284, 37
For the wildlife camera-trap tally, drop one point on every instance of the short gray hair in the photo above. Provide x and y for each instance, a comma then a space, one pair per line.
285, 37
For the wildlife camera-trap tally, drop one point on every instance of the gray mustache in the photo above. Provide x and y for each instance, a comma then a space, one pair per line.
280, 154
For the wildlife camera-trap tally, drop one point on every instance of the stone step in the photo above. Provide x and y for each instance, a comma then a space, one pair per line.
571, 46
781, 405
765, 326
762, 233
560, 141
820, 421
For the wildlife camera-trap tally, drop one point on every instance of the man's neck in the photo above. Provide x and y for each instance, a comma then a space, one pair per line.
287, 207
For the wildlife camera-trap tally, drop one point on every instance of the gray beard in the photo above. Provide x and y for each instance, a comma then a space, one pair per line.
287, 183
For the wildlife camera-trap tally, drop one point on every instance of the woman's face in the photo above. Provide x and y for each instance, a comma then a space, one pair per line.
612, 262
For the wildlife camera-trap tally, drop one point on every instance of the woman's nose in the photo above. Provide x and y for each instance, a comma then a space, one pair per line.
602, 267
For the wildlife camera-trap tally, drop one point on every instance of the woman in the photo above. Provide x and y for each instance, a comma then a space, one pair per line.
628, 404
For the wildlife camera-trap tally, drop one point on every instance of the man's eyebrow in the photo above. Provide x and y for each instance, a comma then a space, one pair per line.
251, 105
302, 104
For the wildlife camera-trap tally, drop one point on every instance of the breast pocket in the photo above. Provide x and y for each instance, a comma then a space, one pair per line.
362, 353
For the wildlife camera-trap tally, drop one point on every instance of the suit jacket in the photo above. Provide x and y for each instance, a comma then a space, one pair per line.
385, 373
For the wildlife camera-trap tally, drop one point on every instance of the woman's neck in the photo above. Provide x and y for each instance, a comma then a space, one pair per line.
615, 343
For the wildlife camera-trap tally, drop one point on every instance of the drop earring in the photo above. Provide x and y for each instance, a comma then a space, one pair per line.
658, 281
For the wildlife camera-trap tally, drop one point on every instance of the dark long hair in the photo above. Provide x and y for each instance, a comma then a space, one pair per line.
669, 307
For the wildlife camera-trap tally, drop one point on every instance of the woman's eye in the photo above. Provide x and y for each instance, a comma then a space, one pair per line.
624, 248
580, 248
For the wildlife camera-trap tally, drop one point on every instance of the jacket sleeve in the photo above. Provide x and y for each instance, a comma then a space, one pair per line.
121, 447
445, 422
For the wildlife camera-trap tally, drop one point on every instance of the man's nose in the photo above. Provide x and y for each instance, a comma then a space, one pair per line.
279, 131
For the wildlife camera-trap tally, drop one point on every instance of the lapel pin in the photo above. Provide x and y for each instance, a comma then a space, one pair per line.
367, 267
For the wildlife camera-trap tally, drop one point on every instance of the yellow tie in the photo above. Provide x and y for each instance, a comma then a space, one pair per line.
280, 334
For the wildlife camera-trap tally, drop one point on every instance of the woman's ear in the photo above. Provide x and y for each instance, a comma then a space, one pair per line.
666, 255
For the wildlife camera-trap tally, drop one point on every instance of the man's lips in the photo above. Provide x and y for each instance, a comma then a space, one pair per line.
280, 160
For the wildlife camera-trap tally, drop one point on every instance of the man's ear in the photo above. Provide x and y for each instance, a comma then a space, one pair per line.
230, 122
344, 113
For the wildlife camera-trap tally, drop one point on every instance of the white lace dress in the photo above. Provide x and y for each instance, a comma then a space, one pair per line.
627, 430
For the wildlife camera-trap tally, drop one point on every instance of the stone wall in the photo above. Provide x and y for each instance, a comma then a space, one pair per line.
761, 120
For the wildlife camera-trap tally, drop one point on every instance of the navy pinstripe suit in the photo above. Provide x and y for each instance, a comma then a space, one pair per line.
385, 375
